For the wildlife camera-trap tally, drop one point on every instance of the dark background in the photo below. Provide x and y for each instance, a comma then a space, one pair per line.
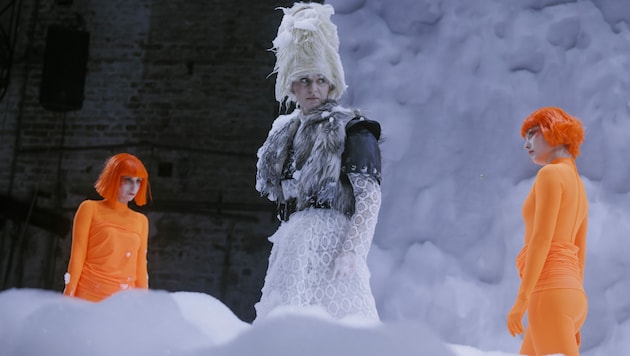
181, 84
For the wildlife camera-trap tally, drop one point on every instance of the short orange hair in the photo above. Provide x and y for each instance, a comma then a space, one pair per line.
557, 127
118, 166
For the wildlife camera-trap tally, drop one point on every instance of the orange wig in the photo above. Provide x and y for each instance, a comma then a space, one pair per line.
118, 166
557, 127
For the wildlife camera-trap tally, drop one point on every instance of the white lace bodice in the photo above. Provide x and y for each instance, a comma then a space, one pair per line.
319, 257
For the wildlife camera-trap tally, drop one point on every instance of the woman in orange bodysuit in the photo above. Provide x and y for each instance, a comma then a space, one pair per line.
551, 263
109, 240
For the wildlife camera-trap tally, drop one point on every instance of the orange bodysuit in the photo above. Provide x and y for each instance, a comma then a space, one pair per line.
551, 263
109, 250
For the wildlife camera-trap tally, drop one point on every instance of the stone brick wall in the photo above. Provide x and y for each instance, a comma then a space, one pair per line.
181, 84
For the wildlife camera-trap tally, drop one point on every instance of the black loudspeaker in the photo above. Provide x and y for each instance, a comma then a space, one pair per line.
63, 74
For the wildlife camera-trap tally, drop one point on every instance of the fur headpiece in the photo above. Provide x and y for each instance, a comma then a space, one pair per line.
307, 43
557, 127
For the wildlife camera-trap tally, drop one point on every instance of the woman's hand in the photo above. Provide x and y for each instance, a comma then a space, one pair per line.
515, 317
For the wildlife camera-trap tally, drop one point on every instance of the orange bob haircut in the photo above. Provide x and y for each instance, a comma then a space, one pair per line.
118, 166
557, 127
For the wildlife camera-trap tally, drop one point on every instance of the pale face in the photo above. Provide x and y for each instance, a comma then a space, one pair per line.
128, 188
311, 91
540, 151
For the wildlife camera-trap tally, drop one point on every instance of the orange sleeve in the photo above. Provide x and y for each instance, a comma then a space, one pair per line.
548, 192
78, 253
142, 276
580, 242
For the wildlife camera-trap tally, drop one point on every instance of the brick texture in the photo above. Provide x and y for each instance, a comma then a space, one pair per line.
181, 84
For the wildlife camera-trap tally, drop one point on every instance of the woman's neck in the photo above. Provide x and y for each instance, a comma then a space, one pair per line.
115, 204
560, 152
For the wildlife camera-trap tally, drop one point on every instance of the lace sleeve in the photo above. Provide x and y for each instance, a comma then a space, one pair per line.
367, 194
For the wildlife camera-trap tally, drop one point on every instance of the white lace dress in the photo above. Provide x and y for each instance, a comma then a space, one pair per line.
319, 257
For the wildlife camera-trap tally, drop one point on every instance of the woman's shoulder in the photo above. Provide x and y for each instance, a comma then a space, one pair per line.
361, 123
139, 217
549, 171
90, 204
558, 173
282, 120
559, 166
88, 208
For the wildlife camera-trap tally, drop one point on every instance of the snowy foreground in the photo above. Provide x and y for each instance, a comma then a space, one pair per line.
36, 322
450, 81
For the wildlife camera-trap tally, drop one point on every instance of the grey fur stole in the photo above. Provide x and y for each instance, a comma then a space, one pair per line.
318, 142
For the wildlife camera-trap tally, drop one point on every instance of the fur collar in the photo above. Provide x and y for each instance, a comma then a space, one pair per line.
318, 141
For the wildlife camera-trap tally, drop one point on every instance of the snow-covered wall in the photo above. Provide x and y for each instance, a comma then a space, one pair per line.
451, 82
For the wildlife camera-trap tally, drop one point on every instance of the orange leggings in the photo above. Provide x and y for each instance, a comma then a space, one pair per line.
555, 317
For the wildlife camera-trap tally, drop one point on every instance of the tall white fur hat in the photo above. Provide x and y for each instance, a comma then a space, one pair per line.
307, 43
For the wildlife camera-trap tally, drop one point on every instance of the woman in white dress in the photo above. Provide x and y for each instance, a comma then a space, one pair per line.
321, 165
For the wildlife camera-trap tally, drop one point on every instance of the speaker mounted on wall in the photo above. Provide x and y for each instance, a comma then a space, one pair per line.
63, 73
